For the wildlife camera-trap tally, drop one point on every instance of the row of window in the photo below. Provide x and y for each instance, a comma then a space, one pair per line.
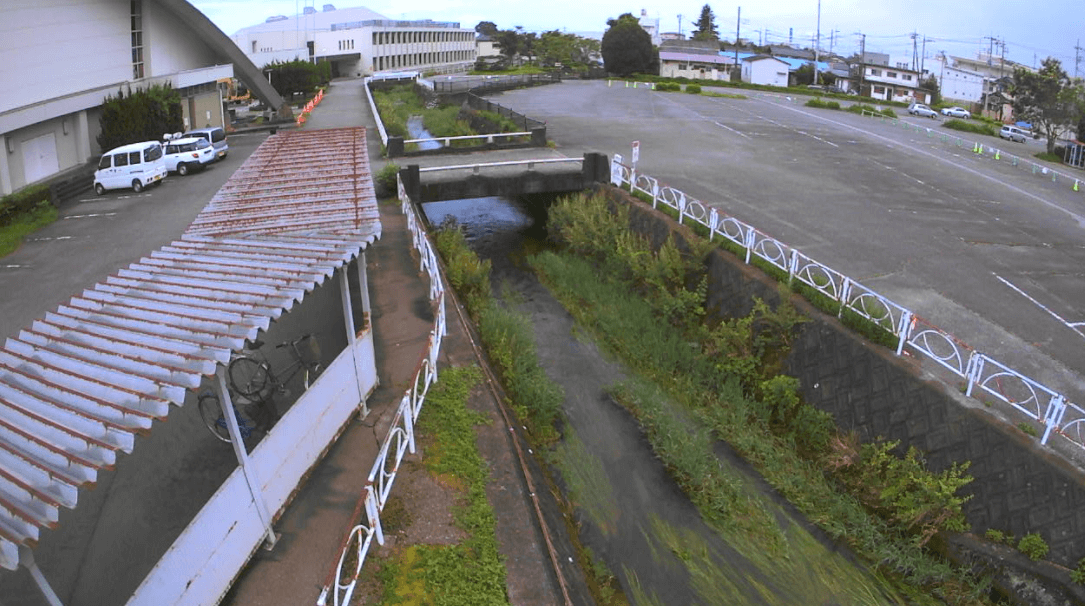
888, 74
137, 39
346, 45
409, 37
416, 59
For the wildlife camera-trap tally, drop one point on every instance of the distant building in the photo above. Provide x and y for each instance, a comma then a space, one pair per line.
486, 47
782, 50
892, 84
957, 84
701, 66
671, 36
765, 70
651, 26
358, 41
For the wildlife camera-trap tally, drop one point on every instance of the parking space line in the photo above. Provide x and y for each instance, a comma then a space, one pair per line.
1071, 325
88, 216
732, 130
48, 238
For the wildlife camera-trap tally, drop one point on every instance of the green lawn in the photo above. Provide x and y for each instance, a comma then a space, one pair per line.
11, 236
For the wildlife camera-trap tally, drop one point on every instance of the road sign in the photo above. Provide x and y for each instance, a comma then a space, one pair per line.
636, 152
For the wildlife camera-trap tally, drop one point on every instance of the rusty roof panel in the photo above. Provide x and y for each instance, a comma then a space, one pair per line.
77, 385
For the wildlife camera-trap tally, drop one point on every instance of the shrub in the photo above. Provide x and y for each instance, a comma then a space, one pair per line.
995, 535
469, 275
1028, 429
386, 180
859, 108
1077, 575
1033, 545
970, 127
817, 102
141, 116
693, 89
21, 202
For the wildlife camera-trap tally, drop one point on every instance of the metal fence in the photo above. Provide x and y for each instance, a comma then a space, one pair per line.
342, 580
476, 102
983, 374
493, 83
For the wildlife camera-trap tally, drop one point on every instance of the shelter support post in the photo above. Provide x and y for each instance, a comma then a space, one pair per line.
243, 458
26, 558
348, 321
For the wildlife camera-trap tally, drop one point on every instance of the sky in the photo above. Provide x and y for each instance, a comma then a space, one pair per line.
1031, 31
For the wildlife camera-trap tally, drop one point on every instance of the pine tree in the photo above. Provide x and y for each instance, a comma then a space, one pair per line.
706, 25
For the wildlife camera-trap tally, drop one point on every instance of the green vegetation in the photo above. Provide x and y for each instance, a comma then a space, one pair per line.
817, 102
971, 127
22, 213
386, 179
859, 108
1028, 429
669, 87
141, 116
725, 95
1077, 575
790, 90
646, 305
471, 572
693, 89
1047, 157
1033, 545
523, 70
298, 77
507, 335
397, 104
627, 49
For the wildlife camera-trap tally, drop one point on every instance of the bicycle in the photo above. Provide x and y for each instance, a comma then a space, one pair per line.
252, 385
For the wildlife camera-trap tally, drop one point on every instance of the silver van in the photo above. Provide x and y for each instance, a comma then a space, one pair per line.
1013, 133
214, 135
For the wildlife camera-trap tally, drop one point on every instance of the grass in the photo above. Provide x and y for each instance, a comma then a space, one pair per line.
472, 572
1048, 157
859, 108
817, 102
397, 104
978, 128
11, 235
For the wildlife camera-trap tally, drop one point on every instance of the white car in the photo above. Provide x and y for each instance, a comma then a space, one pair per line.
186, 154
136, 165
956, 112
919, 109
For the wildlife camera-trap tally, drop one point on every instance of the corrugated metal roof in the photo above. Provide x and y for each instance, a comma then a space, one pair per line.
79, 383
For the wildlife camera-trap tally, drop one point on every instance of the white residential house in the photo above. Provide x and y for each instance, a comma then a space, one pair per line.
763, 69
892, 84
651, 26
695, 66
960, 85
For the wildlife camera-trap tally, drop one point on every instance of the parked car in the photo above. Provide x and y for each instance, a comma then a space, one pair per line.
956, 112
213, 135
919, 109
136, 165
186, 154
1013, 133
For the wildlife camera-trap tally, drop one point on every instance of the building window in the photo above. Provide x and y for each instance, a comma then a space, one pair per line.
879, 90
908, 77
137, 39
890, 74
876, 72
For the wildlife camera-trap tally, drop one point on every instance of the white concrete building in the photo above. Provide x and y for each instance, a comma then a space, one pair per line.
651, 26
960, 85
61, 60
359, 42
763, 69
892, 84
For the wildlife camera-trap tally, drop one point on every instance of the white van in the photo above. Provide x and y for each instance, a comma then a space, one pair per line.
213, 135
136, 165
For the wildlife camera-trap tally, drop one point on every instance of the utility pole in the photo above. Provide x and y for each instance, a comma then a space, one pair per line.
862, 61
915, 56
738, 34
817, 45
1077, 56
679, 26
923, 57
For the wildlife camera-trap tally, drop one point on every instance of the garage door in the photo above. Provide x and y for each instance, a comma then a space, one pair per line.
40, 157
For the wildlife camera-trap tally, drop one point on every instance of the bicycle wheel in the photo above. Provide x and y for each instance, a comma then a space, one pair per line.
211, 413
311, 373
248, 376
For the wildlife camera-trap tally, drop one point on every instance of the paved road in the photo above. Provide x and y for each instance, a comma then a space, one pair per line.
987, 251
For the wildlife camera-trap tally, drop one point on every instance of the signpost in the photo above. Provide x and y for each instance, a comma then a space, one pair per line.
636, 153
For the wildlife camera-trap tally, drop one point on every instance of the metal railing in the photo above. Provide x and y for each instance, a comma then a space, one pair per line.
481, 104
529, 163
342, 579
982, 373
376, 114
447, 140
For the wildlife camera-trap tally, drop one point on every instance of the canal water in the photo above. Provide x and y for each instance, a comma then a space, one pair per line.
630, 512
416, 130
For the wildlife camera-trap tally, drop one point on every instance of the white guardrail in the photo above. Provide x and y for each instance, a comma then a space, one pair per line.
376, 114
980, 149
981, 372
447, 140
530, 164
341, 581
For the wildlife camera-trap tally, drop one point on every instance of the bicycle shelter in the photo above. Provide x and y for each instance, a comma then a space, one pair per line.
79, 384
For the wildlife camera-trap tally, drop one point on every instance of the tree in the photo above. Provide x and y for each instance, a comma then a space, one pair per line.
569, 50
705, 26
1048, 99
626, 47
509, 41
486, 28
144, 115
297, 76
931, 86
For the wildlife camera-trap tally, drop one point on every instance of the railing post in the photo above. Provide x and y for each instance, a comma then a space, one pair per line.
976, 365
1055, 409
749, 241
372, 511
904, 329
845, 292
655, 193
792, 266
681, 208
713, 221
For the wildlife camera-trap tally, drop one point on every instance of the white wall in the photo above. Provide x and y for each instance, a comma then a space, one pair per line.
52, 48
960, 85
168, 47
766, 71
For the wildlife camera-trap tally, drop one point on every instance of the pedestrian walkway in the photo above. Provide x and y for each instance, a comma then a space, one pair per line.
314, 525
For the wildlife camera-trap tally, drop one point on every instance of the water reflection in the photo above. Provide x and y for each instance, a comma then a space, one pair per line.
416, 130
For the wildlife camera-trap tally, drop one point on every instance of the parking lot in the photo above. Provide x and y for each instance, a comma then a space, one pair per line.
986, 250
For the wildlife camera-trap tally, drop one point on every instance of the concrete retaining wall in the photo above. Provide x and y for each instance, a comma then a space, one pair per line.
1019, 487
